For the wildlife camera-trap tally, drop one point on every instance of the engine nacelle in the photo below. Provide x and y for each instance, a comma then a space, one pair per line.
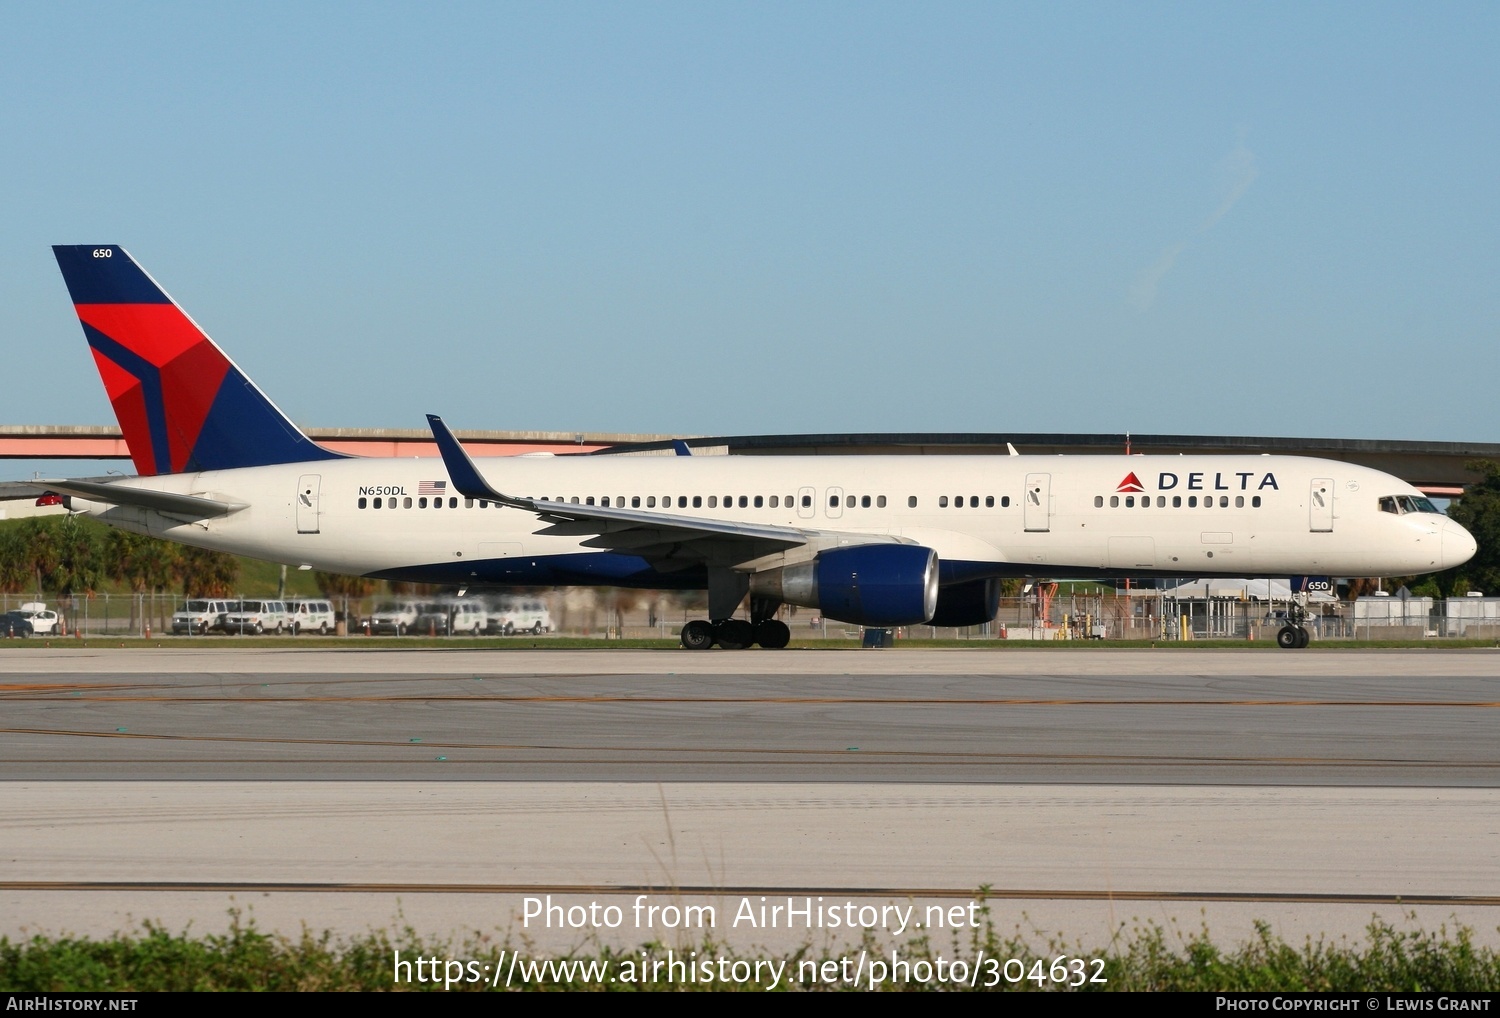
967, 604
868, 585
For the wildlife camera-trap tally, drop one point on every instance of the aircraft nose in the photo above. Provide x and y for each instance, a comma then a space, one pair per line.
1458, 545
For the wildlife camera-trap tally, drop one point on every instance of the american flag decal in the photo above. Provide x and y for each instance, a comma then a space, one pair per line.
432, 487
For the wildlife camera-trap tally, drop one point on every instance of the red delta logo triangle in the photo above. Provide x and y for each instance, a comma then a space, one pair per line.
1131, 483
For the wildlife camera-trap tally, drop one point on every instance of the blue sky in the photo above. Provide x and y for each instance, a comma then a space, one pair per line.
1269, 219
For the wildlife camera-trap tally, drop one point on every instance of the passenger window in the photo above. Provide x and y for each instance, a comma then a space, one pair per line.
1176, 501
1255, 502
775, 501
833, 501
650, 501
587, 501
1192, 501
697, 501
1098, 501
468, 503
1114, 501
1004, 501
942, 501
376, 503
682, 501
1161, 501
849, 502
806, 501
744, 502
604, 501
864, 501
713, 501
1223, 501
911, 501
362, 504
453, 502
1129, 501
759, 501
1239, 501
880, 502
422, 503
989, 501
635, 501
406, 502
973, 501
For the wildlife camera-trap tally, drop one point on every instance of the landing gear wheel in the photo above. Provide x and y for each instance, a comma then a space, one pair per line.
1287, 638
698, 635
772, 634
1303, 639
734, 634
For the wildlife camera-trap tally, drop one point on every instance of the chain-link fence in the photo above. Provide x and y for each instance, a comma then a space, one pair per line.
615, 614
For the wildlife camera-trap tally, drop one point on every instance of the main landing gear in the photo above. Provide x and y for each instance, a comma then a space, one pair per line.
736, 634
763, 629
1293, 635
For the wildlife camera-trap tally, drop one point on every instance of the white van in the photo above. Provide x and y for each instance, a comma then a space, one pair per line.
521, 616
470, 617
258, 617
201, 615
399, 617
311, 615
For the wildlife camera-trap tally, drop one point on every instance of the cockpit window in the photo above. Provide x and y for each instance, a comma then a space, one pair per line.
1401, 504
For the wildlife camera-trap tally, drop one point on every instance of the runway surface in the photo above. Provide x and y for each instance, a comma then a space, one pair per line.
1087, 789
1169, 717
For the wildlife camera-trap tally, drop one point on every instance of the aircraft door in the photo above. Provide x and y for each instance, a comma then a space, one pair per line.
1320, 503
1038, 503
806, 497
307, 503
835, 503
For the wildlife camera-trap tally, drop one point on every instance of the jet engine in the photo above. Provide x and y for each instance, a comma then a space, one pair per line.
967, 604
868, 585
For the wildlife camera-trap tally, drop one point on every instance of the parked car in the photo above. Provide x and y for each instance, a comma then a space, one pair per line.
258, 617
43, 620
202, 615
399, 617
14, 625
311, 615
520, 616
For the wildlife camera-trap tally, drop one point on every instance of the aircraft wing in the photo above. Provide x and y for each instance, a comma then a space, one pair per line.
649, 534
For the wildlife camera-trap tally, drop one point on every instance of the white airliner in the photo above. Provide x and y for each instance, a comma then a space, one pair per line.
869, 540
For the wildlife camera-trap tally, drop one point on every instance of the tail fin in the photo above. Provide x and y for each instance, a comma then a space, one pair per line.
182, 404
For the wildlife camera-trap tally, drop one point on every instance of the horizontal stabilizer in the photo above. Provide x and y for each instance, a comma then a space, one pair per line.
190, 506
